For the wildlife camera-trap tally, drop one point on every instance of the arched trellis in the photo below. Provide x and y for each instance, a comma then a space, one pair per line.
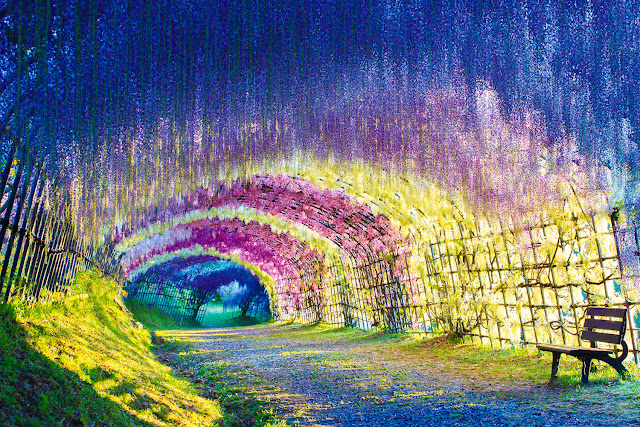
330, 213
365, 238
359, 291
152, 130
471, 277
361, 236
256, 243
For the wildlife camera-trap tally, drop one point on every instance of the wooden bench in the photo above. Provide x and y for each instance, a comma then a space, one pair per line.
602, 324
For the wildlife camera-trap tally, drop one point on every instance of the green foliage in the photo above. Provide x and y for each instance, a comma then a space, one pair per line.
215, 316
85, 362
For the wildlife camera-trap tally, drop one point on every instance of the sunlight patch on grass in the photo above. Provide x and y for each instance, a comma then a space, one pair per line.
95, 339
302, 353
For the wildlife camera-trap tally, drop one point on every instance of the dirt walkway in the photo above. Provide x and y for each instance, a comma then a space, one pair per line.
344, 383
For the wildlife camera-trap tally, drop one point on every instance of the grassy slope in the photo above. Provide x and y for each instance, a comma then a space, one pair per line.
86, 363
153, 318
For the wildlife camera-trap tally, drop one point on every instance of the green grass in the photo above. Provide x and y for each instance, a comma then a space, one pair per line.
232, 385
466, 359
37, 391
320, 331
153, 318
85, 363
240, 406
216, 317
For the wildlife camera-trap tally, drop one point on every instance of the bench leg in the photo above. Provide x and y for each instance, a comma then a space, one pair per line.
618, 366
616, 362
554, 365
586, 369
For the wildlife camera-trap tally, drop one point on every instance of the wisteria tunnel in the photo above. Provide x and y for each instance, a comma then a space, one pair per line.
428, 167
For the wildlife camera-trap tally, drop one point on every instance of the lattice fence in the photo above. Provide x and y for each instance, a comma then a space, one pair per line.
497, 282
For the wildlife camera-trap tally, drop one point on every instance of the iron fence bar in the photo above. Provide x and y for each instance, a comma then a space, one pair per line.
50, 258
24, 235
51, 254
32, 243
67, 260
16, 222
58, 257
9, 205
42, 263
39, 245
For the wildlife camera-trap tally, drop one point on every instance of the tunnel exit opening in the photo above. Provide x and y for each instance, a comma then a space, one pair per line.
203, 291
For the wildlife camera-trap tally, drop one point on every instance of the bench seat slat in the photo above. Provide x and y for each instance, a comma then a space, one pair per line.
601, 337
573, 351
606, 311
611, 325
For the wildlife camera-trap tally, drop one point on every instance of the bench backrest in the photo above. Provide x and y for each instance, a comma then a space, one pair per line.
614, 327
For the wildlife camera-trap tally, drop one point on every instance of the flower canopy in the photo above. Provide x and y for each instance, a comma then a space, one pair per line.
203, 272
129, 105
308, 139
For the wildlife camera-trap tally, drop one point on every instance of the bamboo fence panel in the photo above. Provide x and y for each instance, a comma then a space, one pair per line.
494, 282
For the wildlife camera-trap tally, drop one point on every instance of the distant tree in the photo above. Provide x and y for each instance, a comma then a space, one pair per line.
196, 298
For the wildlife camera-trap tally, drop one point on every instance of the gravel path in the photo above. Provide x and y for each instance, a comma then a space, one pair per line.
337, 383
